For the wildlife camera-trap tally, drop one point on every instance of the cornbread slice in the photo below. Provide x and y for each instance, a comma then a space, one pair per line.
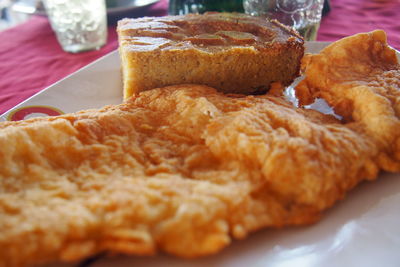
232, 52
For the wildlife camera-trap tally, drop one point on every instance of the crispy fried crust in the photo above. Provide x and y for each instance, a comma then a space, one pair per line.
181, 169
359, 77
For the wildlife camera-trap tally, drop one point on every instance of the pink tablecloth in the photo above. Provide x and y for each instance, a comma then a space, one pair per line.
353, 16
31, 59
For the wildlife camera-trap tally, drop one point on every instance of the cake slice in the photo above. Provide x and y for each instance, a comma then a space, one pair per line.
232, 52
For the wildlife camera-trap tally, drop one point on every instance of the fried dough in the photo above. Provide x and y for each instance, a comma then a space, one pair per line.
182, 169
359, 76
179, 169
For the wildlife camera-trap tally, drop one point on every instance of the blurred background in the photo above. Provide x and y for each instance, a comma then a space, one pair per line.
14, 12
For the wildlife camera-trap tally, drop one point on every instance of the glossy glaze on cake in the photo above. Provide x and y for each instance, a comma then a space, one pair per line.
232, 52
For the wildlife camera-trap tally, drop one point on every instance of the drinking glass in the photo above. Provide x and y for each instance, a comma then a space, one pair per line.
79, 25
302, 15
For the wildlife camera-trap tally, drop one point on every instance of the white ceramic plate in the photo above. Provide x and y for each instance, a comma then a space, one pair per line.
362, 230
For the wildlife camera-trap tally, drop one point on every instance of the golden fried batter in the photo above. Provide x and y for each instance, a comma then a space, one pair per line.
359, 76
181, 169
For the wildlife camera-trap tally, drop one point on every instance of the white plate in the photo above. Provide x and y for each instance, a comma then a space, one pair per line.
362, 230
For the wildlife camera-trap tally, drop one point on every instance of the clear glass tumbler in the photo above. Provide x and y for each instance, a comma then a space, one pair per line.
303, 15
79, 25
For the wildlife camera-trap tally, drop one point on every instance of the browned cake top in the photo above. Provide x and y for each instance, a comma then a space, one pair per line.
208, 31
